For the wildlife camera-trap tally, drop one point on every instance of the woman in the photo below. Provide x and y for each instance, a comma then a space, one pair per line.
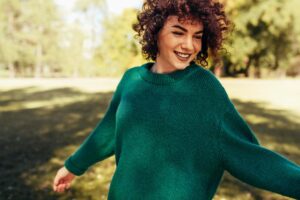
170, 124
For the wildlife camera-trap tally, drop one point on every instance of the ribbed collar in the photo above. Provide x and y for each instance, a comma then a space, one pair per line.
166, 78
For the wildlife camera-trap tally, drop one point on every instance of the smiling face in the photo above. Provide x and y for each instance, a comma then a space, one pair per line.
178, 44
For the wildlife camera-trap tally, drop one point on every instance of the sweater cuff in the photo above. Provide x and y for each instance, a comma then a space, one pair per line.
73, 168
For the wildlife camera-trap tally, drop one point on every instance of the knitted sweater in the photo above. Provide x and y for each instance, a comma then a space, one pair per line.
174, 134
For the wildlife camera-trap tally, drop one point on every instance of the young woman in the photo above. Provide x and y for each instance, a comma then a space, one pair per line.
170, 124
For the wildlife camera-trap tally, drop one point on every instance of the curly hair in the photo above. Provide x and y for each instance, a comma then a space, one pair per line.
155, 12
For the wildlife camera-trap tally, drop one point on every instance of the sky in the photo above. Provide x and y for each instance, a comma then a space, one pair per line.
114, 6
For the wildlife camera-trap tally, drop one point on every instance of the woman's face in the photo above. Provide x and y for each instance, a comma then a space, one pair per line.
178, 43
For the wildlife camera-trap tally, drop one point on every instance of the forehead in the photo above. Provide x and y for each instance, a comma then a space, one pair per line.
173, 20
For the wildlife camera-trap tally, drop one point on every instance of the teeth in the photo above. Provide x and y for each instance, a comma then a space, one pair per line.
182, 55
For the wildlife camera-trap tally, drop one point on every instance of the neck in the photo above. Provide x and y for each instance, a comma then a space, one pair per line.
160, 69
156, 68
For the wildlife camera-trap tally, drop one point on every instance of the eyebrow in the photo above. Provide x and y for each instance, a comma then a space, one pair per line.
183, 29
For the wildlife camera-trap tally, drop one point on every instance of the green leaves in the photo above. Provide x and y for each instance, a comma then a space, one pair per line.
118, 49
264, 30
28, 32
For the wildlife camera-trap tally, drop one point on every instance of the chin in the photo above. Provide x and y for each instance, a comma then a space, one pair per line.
181, 65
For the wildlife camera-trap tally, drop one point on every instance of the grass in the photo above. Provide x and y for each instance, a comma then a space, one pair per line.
42, 122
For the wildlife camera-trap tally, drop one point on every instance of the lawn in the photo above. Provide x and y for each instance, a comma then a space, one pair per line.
44, 120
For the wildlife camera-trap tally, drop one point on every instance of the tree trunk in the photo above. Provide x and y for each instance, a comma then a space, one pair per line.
248, 67
10, 31
38, 61
254, 70
12, 72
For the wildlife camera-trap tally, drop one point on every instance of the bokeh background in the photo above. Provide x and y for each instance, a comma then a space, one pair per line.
60, 62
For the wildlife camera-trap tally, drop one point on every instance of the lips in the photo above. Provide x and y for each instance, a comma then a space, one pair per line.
182, 56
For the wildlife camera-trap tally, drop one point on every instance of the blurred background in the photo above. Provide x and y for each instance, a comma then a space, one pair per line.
60, 62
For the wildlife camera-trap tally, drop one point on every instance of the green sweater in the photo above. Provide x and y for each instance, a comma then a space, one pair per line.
174, 134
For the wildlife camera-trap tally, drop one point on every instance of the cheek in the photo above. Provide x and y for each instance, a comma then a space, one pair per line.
172, 42
168, 46
198, 46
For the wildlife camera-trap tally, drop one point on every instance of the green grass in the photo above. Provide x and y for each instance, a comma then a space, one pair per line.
41, 127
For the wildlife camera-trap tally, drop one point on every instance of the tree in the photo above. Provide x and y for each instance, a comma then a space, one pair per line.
29, 36
119, 50
10, 12
71, 60
42, 22
93, 10
263, 36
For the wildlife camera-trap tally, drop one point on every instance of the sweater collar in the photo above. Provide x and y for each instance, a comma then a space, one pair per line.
165, 78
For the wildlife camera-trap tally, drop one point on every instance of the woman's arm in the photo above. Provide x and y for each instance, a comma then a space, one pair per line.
245, 159
99, 145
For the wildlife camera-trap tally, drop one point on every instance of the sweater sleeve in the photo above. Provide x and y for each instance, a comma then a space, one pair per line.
99, 145
247, 160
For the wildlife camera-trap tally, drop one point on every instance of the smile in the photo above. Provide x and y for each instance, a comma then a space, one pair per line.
182, 56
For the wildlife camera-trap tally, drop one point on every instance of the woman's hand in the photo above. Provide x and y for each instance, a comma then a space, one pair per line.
62, 180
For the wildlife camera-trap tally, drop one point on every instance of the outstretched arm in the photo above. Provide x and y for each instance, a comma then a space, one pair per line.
245, 159
99, 145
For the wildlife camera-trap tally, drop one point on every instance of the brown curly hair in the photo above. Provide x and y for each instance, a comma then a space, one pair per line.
155, 12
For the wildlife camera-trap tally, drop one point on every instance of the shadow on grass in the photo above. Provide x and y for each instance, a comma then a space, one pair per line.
30, 137
35, 142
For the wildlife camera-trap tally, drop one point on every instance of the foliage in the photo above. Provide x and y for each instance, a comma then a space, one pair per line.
28, 36
71, 62
36, 41
119, 50
264, 33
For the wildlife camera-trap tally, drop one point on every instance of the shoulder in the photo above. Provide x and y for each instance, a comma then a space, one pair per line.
130, 75
133, 69
207, 80
211, 88
131, 72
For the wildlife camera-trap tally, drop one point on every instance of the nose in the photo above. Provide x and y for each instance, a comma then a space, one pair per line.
187, 44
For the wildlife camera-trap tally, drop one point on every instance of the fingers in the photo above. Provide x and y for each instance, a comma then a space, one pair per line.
59, 184
62, 180
61, 187
56, 181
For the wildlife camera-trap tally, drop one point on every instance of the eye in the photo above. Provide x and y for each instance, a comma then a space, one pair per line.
198, 37
177, 33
